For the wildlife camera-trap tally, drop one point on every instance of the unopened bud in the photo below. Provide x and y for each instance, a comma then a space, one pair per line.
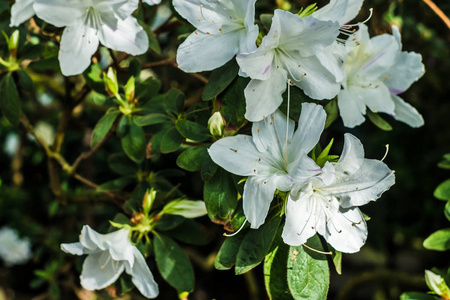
149, 198
216, 125
110, 80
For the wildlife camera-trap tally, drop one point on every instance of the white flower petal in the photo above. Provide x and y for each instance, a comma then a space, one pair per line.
333, 11
142, 278
302, 216
263, 97
408, 68
353, 8
269, 134
78, 44
258, 64
310, 127
73, 248
376, 97
405, 113
124, 8
367, 184
313, 78
152, 2
89, 238
307, 35
204, 52
300, 171
100, 271
239, 155
352, 156
123, 35
258, 194
59, 13
201, 13
346, 229
351, 108
21, 11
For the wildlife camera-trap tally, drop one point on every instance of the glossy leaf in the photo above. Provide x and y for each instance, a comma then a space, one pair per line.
233, 102
439, 240
117, 184
192, 130
174, 102
151, 119
220, 79
9, 100
442, 191
220, 197
447, 210
121, 164
192, 159
307, 271
226, 258
191, 232
275, 271
171, 141
417, 296
378, 121
103, 126
173, 263
134, 143
255, 246
332, 112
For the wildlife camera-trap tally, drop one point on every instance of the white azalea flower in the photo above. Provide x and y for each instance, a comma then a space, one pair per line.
342, 11
376, 72
108, 256
271, 157
21, 11
13, 249
90, 22
152, 2
289, 51
328, 202
224, 28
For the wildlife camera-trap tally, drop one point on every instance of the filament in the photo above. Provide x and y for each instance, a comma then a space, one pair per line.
236, 232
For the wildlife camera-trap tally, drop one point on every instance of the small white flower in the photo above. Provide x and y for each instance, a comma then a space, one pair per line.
342, 11
224, 28
90, 22
328, 202
13, 250
376, 72
108, 256
271, 157
290, 50
21, 11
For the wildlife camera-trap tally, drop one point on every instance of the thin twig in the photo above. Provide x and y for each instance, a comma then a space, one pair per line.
86, 155
438, 11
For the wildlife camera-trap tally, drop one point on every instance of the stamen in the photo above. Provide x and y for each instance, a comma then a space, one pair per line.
386, 153
236, 232
321, 252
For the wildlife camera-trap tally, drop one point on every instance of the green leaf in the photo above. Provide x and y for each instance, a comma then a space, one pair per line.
445, 164
233, 102
134, 143
192, 130
147, 89
54, 290
417, 296
209, 168
220, 197
151, 119
169, 222
337, 259
378, 121
442, 192
174, 102
173, 264
439, 240
137, 197
307, 271
323, 157
103, 126
123, 126
121, 164
447, 210
25, 81
332, 112
93, 77
275, 271
9, 100
192, 159
191, 232
153, 43
226, 258
219, 80
171, 141
255, 245
297, 98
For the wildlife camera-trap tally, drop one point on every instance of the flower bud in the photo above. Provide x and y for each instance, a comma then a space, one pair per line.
186, 208
216, 124
110, 80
